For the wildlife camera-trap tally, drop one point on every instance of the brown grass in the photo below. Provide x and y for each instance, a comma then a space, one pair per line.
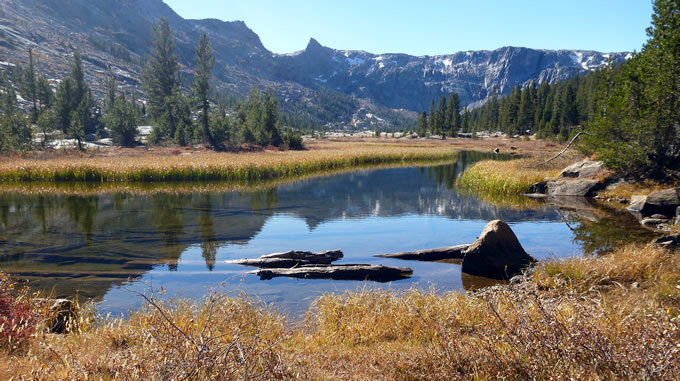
613, 317
644, 187
164, 166
168, 164
508, 178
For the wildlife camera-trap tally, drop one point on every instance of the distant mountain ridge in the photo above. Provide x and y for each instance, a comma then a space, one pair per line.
116, 35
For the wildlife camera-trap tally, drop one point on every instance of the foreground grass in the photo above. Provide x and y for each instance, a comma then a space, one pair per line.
614, 317
173, 166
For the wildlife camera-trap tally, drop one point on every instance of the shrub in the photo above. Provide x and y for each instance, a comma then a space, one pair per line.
17, 318
293, 141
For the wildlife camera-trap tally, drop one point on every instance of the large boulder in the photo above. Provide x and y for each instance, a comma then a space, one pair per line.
497, 254
577, 187
664, 202
583, 169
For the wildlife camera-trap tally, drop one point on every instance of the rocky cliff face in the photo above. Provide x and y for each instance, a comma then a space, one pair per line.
114, 36
403, 81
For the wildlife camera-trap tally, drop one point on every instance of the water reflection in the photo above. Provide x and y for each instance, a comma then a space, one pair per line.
94, 243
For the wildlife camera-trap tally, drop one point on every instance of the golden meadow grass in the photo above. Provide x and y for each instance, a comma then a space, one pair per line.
212, 166
503, 178
183, 187
614, 317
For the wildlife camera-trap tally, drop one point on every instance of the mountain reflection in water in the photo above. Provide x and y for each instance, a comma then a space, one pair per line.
94, 244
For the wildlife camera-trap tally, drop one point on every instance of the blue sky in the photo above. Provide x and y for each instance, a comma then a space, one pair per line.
436, 26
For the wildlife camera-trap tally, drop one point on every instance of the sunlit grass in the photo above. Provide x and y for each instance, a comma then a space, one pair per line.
506, 177
612, 317
184, 187
211, 166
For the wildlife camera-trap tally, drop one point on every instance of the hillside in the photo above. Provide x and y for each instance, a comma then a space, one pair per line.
323, 84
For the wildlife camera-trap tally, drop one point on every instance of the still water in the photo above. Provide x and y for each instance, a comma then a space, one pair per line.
104, 246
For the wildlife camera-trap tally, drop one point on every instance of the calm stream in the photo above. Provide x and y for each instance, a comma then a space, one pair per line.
106, 245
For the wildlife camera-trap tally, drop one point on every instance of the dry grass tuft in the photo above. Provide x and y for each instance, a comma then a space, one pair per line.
644, 187
614, 317
501, 178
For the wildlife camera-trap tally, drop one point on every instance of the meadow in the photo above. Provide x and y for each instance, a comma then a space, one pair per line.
165, 165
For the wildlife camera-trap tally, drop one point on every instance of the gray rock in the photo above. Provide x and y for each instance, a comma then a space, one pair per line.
584, 188
583, 169
536, 196
497, 254
659, 216
616, 183
664, 202
653, 221
538, 188
62, 315
669, 241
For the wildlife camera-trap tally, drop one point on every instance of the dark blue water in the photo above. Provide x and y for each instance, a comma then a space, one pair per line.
106, 245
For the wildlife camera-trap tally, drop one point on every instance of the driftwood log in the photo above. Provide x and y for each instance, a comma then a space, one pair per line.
453, 252
290, 259
377, 273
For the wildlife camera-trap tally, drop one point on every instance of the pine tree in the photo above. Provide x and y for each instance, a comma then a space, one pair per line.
161, 82
46, 122
527, 110
31, 86
76, 128
64, 104
493, 111
270, 124
431, 120
45, 94
637, 122
220, 125
253, 122
74, 100
15, 133
441, 117
454, 106
422, 125
121, 116
204, 66
465, 123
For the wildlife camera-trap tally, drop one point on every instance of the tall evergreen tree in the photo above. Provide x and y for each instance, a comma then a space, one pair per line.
422, 124
493, 110
431, 120
161, 82
74, 100
638, 120
45, 94
31, 86
203, 73
64, 104
527, 110
454, 107
440, 120
121, 116
15, 134
465, 123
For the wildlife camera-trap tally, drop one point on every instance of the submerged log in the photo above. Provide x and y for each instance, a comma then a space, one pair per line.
376, 273
453, 252
290, 259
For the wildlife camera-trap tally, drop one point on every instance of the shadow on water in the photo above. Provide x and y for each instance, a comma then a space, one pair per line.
94, 244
